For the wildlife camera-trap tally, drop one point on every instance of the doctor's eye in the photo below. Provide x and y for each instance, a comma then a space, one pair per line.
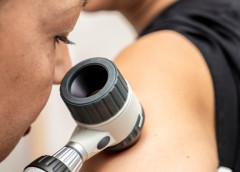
84, 3
63, 39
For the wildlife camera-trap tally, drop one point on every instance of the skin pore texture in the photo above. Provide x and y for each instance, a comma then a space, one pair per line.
174, 85
31, 61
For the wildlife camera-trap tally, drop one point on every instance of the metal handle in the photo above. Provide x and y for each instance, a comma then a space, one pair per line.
65, 160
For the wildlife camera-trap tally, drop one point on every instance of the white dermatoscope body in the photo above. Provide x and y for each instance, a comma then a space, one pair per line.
107, 113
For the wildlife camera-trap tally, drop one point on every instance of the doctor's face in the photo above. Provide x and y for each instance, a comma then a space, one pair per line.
33, 56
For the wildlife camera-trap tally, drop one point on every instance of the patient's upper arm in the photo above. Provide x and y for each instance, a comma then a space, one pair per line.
172, 82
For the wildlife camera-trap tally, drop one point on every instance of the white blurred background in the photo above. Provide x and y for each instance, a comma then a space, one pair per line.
96, 35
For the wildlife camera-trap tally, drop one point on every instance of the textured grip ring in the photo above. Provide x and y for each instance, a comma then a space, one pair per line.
49, 164
94, 91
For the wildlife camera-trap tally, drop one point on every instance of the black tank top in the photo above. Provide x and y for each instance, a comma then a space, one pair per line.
214, 27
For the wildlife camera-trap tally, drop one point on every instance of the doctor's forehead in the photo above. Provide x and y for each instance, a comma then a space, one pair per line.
65, 6
52, 5
56, 10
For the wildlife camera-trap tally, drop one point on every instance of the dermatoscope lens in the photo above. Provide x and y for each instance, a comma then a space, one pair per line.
88, 81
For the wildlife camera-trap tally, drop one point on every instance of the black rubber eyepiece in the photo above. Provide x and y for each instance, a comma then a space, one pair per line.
94, 90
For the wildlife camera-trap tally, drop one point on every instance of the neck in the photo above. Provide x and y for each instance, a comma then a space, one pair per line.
141, 14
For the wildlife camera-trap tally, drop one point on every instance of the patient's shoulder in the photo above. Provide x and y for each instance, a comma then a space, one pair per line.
168, 59
172, 82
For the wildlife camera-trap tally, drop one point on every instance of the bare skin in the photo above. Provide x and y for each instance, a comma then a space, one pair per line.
31, 61
175, 88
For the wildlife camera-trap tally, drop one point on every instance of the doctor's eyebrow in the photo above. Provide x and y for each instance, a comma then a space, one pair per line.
71, 5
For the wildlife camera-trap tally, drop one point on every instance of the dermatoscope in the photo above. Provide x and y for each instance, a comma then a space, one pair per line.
107, 113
